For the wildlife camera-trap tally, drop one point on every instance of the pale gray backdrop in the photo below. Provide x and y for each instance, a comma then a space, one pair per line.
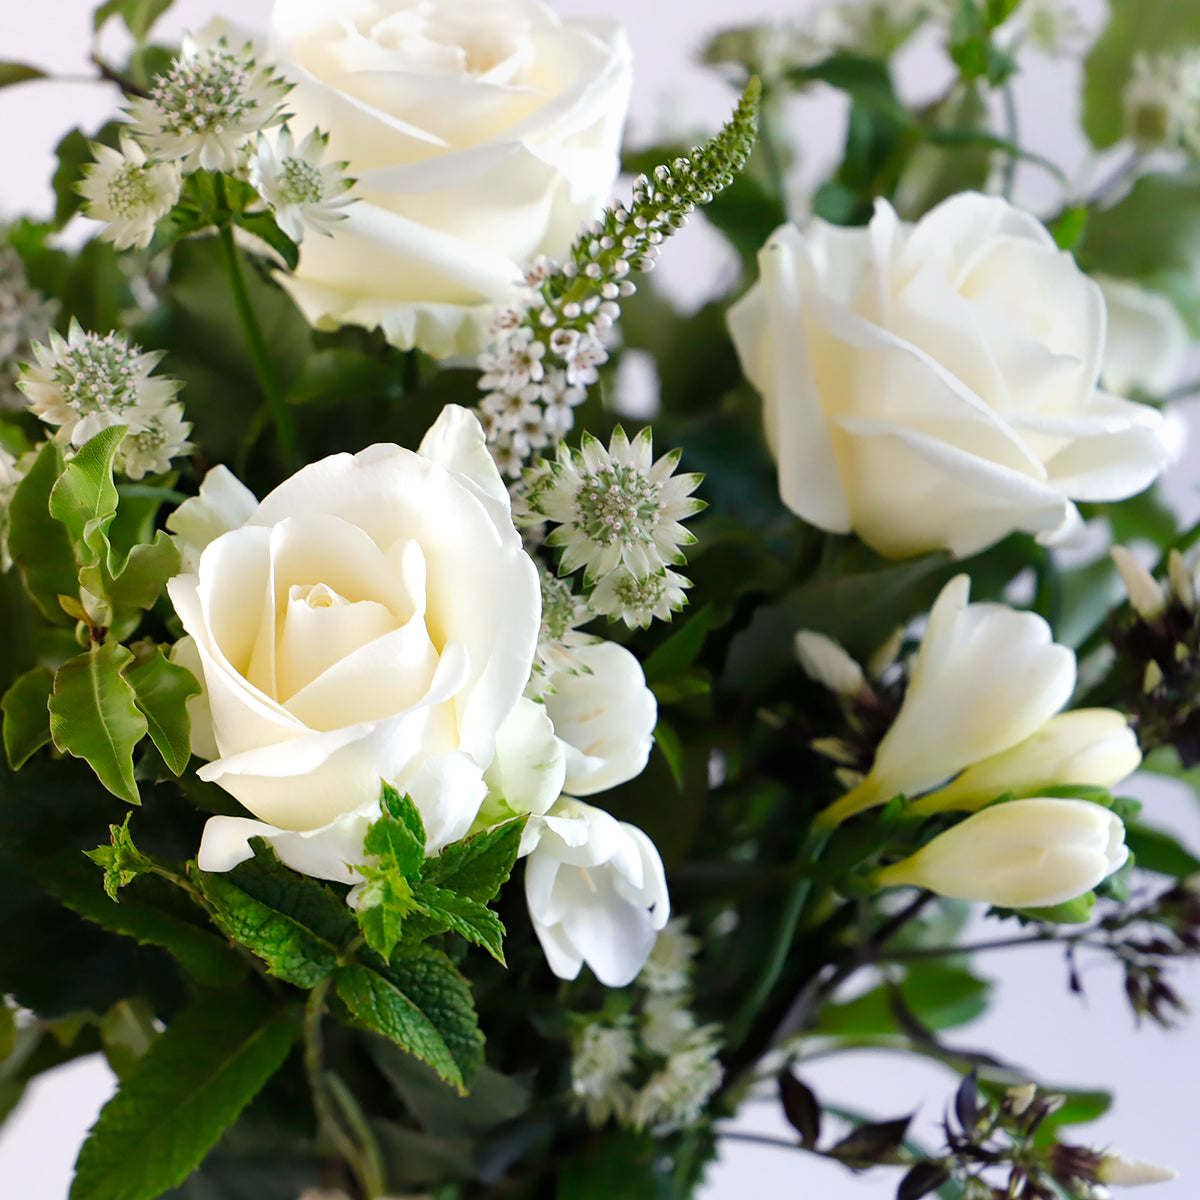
1034, 1022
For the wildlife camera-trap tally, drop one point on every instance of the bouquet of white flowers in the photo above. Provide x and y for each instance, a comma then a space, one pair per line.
339, 579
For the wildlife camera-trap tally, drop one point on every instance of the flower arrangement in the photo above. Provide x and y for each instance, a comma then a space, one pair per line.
345, 591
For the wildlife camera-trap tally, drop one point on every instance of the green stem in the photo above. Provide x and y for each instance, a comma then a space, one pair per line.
256, 346
1013, 134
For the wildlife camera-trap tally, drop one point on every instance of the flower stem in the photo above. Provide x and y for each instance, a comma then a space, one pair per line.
256, 347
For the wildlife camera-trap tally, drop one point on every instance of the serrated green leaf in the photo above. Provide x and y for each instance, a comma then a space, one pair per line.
405, 811
394, 840
127, 1031
16, 72
93, 716
384, 904
139, 15
160, 690
445, 910
39, 545
295, 924
26, 708
479, 866
184, 1092
122, 861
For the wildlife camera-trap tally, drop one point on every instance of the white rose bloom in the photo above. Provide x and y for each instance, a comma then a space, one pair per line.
1024, 854
985, 678
374, 618
934, 386
481, 133
1147, 342
604, 714
596, 892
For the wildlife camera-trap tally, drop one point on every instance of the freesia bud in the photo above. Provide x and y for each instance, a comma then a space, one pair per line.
1118, 1171
985, 678
1020, 1098
825, 662
1091, 747
1182, 587
1145, 594
1022, 854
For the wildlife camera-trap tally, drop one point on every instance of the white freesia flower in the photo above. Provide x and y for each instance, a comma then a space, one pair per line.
604, 714
1023, 854
128, 192
374, 618
1089, 747
303, 193
934, 386
481, 135
1118, 1171
1146, 594
1147, 342
596, 892
985, 678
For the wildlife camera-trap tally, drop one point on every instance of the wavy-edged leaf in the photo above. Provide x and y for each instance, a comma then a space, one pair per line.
39, 545
160, 690
26, 708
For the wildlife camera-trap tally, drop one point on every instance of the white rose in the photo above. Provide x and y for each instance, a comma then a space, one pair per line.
482, 133
603, 713
1024, 854
934, 386
1147, 342
374, 618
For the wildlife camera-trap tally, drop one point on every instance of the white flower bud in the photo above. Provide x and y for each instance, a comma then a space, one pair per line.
1023, 854
1020, 1098
1119, 1171
1182, 588
825, 662
1145, 594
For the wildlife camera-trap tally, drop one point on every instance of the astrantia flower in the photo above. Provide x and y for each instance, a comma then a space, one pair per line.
88, 382
562, 613
668, 1025
669, 966
675, 1096
1162, 101
303, 193
618, 507
206, 105
149, 451
603, 1056
621, 595
129, 192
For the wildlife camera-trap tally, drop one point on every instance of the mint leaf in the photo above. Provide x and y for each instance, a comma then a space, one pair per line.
39, 545
122, 861
478, 866
27, 715
160, 690
183, 1093
93, 716
444, 910
384, 903
398, 837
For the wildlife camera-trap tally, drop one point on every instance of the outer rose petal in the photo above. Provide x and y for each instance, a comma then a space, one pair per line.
224, 503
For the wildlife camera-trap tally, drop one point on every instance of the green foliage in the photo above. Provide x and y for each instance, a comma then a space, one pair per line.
26, 707
160, 690
15, 72
127, 1031
94, 716
1157, 850
139, 15
122, 861
478, 866
442, 910
188, 1087
939, 997
74, 152
39, 545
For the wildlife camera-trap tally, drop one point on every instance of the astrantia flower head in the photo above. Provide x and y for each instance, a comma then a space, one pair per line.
205, 106
1162, 101
621, 595
562, 612
669, 967
303, 193
149, 451
617, 507
87, 382
129, 192
675, 1096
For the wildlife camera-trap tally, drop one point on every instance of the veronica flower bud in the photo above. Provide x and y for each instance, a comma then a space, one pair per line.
1119, 1171
1145, 593
1024, 854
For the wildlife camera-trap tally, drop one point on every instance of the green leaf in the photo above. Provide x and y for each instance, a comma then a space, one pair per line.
74, 152
84, 500
1157, 850
262, 225
1134, 27
27, 715
160, 690
138, 582
398, 837
39, 545
1069, 227
668, 744
478, 866
127, 1031
15, 72
93, 715
939, 997
384, 903
296, 925
682, 648
122, 861
470, 919
188, 1087
139, 15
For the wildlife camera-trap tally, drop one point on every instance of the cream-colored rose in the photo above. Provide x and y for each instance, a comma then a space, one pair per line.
374, 618
934, 386
482, 133
1147, 342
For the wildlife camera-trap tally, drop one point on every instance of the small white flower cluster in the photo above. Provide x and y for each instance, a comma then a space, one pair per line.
1162, 101
26, 316
1051, 27
681, 1057
546, 351
12, 471
87, 382
617, 514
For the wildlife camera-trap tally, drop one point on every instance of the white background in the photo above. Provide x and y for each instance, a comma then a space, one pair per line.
1034, 1023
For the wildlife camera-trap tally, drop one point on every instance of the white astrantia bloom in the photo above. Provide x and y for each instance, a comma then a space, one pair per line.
207, 105
373, 618
669, 967
87, 382
150, 449
604, 715
1162, 101
596, 892
985, 678
1147, 343
127, 191
828, 664
668, 1024
1052, 27
1031, 853
1116, 1170
1088, 747
934, 386
303, 193
618, 507
675, 1096
621, 595
601, 1059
